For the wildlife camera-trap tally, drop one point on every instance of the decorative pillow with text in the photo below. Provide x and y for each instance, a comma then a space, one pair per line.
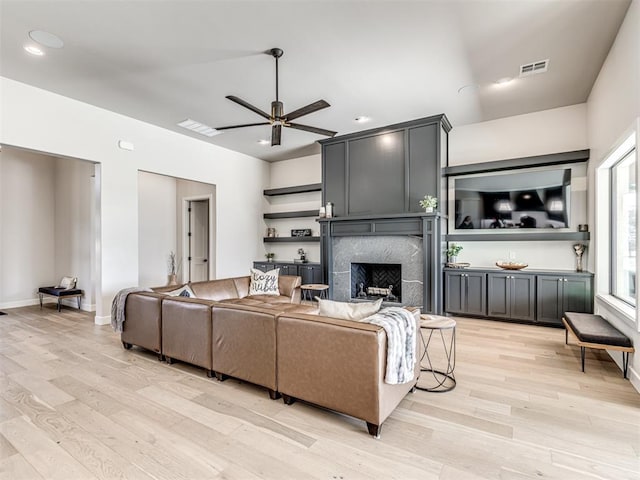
264, 283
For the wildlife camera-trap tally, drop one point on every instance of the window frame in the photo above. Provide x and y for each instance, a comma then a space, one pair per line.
613, 220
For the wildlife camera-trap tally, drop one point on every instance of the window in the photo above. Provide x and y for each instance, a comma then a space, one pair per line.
623, 228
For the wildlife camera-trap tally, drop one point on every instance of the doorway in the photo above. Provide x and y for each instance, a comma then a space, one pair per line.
197, 238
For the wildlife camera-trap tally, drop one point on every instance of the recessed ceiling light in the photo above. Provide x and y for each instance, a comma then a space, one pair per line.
198, 127
504, 81
46, 39
33, 50
262, 141
362, 119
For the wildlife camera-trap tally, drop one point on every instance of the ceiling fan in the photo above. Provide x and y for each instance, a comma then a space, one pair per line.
278, 118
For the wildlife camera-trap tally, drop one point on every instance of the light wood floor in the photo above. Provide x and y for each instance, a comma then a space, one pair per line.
75, 405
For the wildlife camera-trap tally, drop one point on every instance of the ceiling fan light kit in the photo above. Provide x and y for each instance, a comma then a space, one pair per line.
278, 119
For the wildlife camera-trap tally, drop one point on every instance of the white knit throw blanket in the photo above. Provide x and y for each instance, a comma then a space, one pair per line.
118, 304
400, 327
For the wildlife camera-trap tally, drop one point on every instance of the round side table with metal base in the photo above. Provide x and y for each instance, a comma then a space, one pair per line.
440, 379
309, 288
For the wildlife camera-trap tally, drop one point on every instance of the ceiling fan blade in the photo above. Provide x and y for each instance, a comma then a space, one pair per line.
312, 107
307, 128
276, 134
239, 101
244, 125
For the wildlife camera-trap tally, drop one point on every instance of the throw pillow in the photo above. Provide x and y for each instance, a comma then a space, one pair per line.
264, 283
184, 291
348, 311
68, 283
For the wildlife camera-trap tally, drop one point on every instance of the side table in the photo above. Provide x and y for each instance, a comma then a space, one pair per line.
308, 288
440, 379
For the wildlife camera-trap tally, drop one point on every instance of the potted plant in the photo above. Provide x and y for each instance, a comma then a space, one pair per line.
452, 252
429, 203
269, 256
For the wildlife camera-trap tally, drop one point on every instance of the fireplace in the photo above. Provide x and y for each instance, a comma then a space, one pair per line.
399, 250
370, 281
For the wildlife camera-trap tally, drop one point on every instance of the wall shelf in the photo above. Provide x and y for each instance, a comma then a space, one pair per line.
290, 239
295, 214
518, 237
312, 187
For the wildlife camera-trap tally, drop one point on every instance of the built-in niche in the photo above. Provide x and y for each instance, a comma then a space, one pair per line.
533, 198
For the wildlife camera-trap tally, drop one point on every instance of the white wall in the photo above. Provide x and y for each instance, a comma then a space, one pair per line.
156, 227
43, 121
550, 131
27, 235
289, 173
613, 108
73, 223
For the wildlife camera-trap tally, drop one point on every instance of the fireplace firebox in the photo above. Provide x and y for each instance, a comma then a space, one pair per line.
370, 281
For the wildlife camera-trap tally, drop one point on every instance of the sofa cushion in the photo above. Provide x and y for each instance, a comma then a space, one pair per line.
348, 311
264, 283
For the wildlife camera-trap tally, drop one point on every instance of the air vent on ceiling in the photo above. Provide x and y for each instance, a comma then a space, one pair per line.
198, 127
532, 68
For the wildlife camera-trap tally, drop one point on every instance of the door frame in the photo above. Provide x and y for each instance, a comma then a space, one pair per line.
185, 238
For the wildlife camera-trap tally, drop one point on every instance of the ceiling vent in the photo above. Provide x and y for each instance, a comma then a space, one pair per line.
541, 66
198, 127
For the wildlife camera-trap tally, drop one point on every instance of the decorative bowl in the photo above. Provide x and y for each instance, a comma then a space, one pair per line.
511, 265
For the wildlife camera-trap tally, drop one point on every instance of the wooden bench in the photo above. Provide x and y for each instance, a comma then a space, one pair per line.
593, 331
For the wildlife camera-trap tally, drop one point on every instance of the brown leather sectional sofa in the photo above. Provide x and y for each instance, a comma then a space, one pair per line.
272, 341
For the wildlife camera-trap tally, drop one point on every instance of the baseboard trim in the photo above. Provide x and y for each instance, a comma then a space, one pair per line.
102, 320
67, 302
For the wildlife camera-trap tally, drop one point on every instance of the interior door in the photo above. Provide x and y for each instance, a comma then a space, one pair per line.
198, 240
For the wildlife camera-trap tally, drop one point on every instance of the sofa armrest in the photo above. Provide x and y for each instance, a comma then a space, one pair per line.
143, 320
289, 286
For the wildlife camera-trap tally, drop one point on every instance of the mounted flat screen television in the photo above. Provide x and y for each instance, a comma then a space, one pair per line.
513, 200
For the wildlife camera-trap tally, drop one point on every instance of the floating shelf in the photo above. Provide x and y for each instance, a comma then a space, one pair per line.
296, 214
313, 187
290, 239
518, 237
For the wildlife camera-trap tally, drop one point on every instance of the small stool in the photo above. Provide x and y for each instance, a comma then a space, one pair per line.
437, 323
314, 287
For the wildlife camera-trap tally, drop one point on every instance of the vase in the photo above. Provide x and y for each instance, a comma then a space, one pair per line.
172, 279
428, 209
453, 259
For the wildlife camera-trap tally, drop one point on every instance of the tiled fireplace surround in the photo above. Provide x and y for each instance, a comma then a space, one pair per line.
412, 241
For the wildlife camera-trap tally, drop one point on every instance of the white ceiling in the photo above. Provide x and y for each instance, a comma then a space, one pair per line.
165, 61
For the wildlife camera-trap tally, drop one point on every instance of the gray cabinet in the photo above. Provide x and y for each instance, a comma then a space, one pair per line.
310, 272
386, 170
465, 292
511, 296
563, 293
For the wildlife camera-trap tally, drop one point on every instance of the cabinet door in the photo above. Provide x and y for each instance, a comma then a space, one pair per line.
288, 269
263, 266
334, 172
455, 291
310, 274
549, 304
476, 293
522, 297
576, 295
498, 299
